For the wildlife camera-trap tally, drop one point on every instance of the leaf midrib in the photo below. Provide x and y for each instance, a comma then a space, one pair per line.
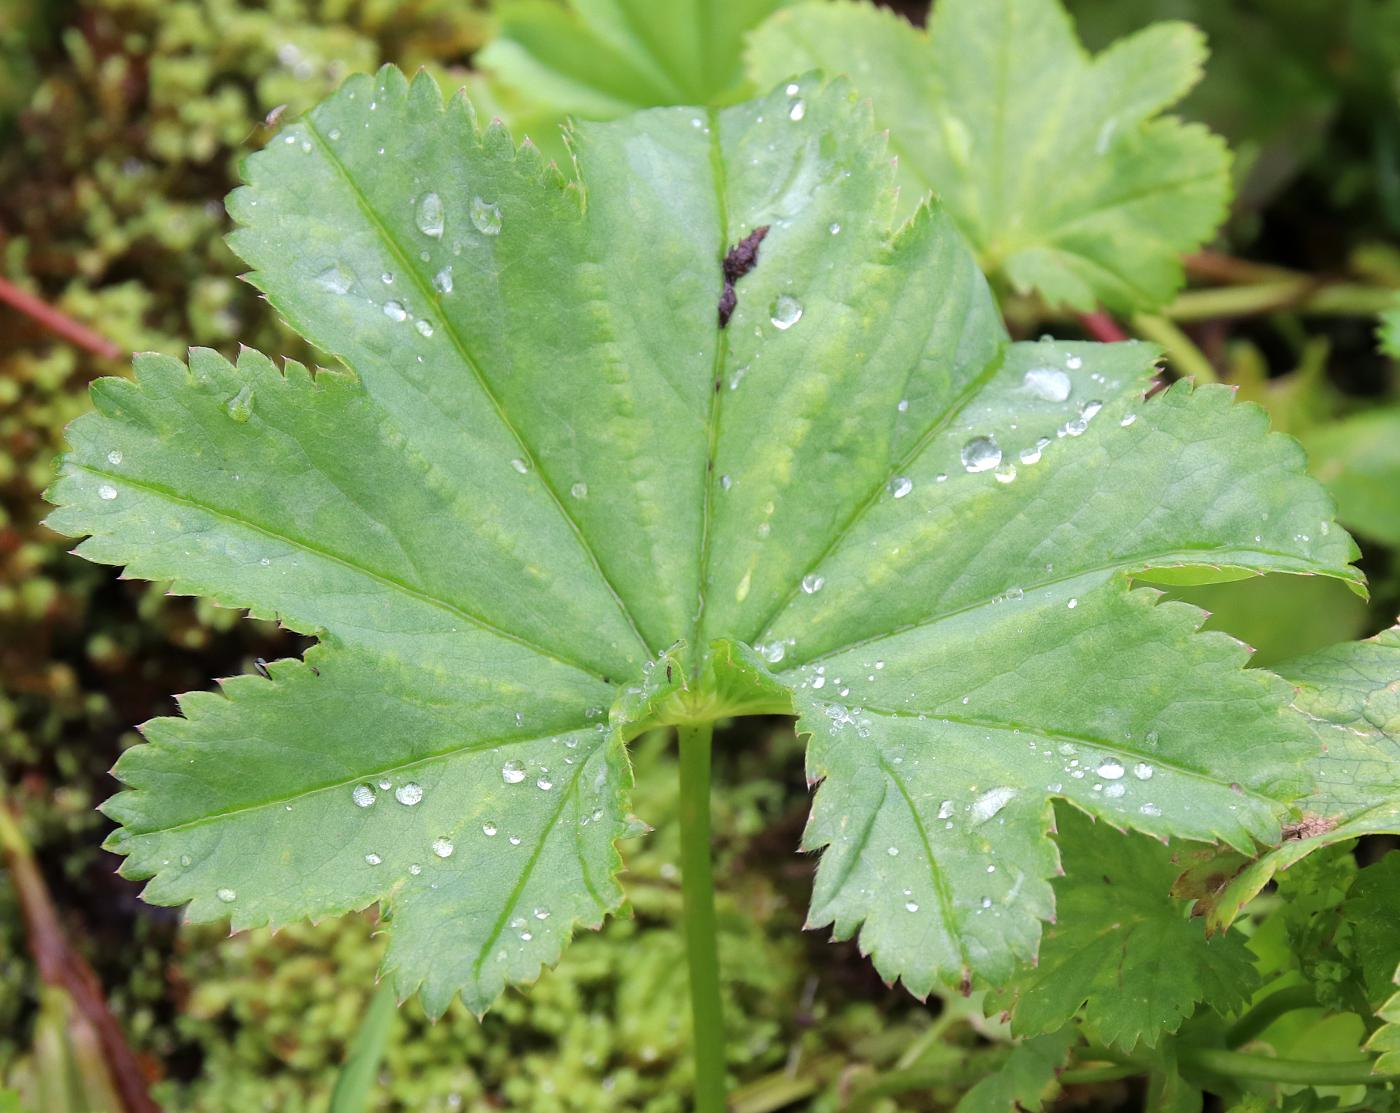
1117, 749
425, 291
349, 564
365, 775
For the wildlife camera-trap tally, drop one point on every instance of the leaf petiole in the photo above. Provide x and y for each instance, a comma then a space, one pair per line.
701, 936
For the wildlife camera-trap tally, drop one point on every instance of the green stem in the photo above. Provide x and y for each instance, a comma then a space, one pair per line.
1296, 1072
1189, 360
1268, 1010
701, 934
1340, 299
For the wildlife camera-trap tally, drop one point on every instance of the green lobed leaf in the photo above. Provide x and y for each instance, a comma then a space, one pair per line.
1350, 697
1025, 1081
604, 58
1385, 1040
550, 503
1121, 949
1057, 165
1358, 459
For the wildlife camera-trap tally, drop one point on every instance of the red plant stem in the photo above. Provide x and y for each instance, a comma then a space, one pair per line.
1101, 326
61, 965
60, 324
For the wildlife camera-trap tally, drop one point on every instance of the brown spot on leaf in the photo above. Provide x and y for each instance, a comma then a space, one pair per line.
740, 259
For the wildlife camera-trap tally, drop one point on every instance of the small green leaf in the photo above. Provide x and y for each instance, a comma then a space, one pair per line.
1349, 695
1385, 1040
1121, 948
604, 58
1057, 165
1025, 1081
551, 503
1358, 460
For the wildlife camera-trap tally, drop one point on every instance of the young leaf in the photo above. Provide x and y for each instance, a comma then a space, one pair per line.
604, 58
1026, 1079
1057, 165
1350, 697
1122, 949
551, 482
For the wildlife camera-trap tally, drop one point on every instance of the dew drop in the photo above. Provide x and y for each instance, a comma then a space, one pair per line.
1005, 473
425, 328
363, 796
395, 311
792, 89
1128, 419
834, 228
544, 784
429, 215
541, 913
514, 840
512, 772
797, 111
336, 279
387, 278
240, 406
893, 852
900, 486
373, 859
1114, 790
106, 492
1110, 771
786, 312
1142, 771
408, 794
579, 490
520, 465
443, 847
442, 281
945, 809
911, 906
981, 454
812, 583
486, 217
1072, 604
991, 802
415, 869
1150, 809
228, 896
114, 457
1049, 383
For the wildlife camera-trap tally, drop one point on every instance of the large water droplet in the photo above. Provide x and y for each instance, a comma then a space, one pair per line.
429, 215
812, 583
395, 311
797, 111
106, 492
489, 830
408, 794
981, 454
512, 772
786, 312
1049, 383
442, 281
240, 406
900, 486
544, 784
1110, 771
336, 279
114, 457
486, 217
991, 802
443, 847
228, 896
520, 465
911, 906
363, 796
425, 328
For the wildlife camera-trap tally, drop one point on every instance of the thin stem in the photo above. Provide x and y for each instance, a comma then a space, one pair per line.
1188, 359
1268, 1010
701, 933
57, 322
1340, 299
1296, 1072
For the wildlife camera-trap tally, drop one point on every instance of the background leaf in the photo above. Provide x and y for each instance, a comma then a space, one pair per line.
1057, 165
